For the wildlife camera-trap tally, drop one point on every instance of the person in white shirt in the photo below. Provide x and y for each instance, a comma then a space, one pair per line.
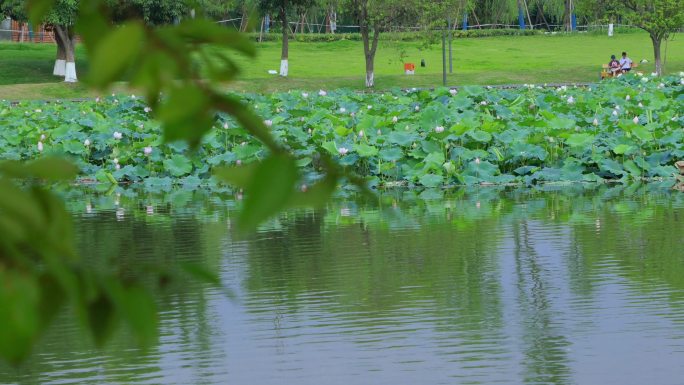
625, 63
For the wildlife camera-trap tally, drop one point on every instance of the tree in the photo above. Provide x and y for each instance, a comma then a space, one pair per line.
660, 18
282, 7
374, 17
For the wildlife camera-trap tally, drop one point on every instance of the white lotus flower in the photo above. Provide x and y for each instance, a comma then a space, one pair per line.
40, 146
571, 100
343, 110
322, 93
615, 113
641, 105
477, 160
97, 99
304, 188
268, 122
361, 134
115, 161
627, 97
661, 85
453, 92
147, 150
38, 110
484, 103
417, 108
305, 95
636, 120
132, 96
117, 166
369, 107
644, 79
147, 109
595, 122
342, 150
310, 131
86, 142
117, 135
379, 132
42, 136
681, 81
617, 107
439, 129
238, 162
654, 74
225, 126
395, 119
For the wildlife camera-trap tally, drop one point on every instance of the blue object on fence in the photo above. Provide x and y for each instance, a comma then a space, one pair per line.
521, 18
573, 22
465, 21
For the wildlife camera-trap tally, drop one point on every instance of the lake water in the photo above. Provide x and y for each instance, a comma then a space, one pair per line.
566, 285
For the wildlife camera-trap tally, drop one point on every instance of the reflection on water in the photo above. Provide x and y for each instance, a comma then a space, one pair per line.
573, 285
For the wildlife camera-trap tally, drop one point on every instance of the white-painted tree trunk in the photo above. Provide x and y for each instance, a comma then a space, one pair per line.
370, 78
283, 67
60, 67
70, 73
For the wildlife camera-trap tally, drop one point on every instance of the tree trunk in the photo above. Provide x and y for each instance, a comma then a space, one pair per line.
66, 34
567, 16
285, 46
540, 7
369, 49
244, 20
656, 53
60, 61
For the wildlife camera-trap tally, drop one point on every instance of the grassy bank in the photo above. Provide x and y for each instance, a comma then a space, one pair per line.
491, 60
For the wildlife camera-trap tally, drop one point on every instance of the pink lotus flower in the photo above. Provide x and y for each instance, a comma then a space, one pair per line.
343, 151
439, 129
40, 146
147, 150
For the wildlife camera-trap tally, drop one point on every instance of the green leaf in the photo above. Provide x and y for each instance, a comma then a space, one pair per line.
580, 140
621, 149
239, 176
140, 312
201, 273
431, 180
19, 314
115, 53
38, 9
269, 190
480, 136
102, 318
365, 150
391, 154
47, 168
178, 165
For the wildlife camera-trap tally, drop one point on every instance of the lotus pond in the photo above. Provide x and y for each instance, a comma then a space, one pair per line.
624, 129
578, 284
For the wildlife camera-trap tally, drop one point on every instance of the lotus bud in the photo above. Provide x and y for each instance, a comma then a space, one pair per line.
342, 110
243, 144
147, 150
38, 110
628, 97
477, 160
147, 109
453, 92
483, 103
268, 122
343, 151
636, 120
97, 99
395, 119
361, 134
115, 160
117, 166
40, 146
322, 93
304, 188
595, 122
439, 129
132, 96
417, 108
42, 136
352, 114
117, 135
379, 132
369, 107
305, 95
225, 126
310, 131
86, 142
641, 105
571, 100
238, 162
615, 113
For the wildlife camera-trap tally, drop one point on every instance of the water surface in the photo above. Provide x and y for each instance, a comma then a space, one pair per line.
569, 285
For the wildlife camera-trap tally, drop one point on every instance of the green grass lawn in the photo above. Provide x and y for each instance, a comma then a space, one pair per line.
27, 69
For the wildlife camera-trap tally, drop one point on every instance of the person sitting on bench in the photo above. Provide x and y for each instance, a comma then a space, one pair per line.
614, 65
625, 63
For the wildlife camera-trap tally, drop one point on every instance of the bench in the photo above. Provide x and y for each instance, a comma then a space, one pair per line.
605, 73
